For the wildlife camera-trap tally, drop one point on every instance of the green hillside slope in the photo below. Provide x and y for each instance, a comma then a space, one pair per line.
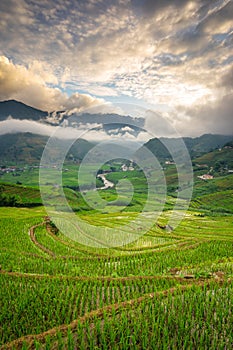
27, 148
219, 159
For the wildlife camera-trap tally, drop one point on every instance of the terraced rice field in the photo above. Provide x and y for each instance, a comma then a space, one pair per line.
167, 290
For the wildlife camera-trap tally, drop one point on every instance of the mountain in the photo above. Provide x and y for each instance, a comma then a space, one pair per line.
106, 118
221, 159
111, 123
19, 110
229, 144
27, 148
15, 147
196, 146
206, 143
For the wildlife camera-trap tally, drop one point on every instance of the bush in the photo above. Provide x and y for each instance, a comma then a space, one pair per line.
8, 200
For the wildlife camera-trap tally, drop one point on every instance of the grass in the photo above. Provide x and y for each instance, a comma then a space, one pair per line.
46, 291
58, 293
221, 202
25, 196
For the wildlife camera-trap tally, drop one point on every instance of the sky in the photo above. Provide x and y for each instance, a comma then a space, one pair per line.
172, 56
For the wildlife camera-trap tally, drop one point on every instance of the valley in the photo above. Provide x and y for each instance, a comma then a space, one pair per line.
127, 253
62, 293
116, 175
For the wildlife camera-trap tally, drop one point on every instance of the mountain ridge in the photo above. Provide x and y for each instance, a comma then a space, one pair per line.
22, 111
111, 124
19, 110
196, 146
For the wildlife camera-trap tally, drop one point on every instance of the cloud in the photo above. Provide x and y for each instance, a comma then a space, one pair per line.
91, 88
14, 126
29, 86
25, 85
89, 132
159, 125
78, 102
150, 7
210, 117
226, 80
219, 19
43, 71
175, 53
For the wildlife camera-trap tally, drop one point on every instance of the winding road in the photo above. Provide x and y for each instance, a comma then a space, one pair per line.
107, 183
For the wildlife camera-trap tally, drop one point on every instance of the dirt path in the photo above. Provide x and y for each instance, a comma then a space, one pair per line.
34, 240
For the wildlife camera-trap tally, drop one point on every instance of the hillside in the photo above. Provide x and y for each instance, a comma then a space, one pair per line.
220, 202
19, 196
27, 148
19, 110
206, 143
218, 164
196, 146
220, 159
